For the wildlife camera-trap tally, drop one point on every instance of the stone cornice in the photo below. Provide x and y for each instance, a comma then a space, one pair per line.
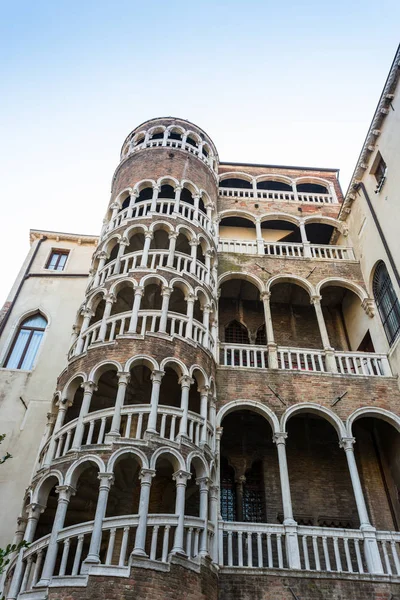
37, 234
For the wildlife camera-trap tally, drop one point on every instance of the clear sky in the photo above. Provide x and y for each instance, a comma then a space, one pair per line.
272, 82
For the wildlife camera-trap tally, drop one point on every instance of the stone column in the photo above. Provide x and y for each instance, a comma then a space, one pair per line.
204, 391
123, 380
63, 405
185, 383
153, 206
328, 350
203, 483
87, 315
269, 330
214, 504
102, 261
106, 480
259, 238
371, 550
34, 510
213, 419
135, 310
190, 300
88, 388
196, 208
122, 245
178, 191
292, 543
148, 236
304, 240
165, 293
146, 476
181, 478
209, 212
171, 250
64, 495
115, 208
134, 195
207, 264
156, 378
193, 253
206, 324
239, 482
110, 299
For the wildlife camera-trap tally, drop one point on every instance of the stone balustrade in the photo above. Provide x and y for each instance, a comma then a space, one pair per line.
274, 195
287, 250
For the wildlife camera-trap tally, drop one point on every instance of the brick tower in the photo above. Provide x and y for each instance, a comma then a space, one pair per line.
225, 358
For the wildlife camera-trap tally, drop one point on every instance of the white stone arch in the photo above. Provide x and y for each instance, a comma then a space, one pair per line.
180, 129
179, 282
313, 179
168, 180
339, 225
341, 282
295, 279
160, 224
77, 468
43, 486
372, 411
236, 175
204, 243
274, 177
95, 297
118, 199
116, 456
279, 216
102, 368
177, 461
192, 134
153, 278
144, 183
134, 229
197, 456
152, 130
70, 387
232, 212
241, 275
186, 228
176, 364
204, 375
189, 185
141, 359
316, 409
138, 134
202, 296
205, 196
108, 245
122, 282
252, 405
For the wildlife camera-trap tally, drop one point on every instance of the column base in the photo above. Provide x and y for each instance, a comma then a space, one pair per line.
151, 434
88, 562
139, 552
183, 437
111, 436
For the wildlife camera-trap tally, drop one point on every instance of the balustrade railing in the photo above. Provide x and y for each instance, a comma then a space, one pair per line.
389, 547
304, 359
134, 421
275, 195
157, 259
178, 144
287, 250
164, 206
148, 322
252, 545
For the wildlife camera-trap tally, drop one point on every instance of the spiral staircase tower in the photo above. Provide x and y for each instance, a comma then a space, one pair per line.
134, 411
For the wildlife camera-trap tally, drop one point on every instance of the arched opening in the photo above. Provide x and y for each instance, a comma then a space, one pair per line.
187, 196
124, 495
177, 301
293, 317
312, 188
377, 451
194, 393
160, 240
136, 243
158, 134
125, 200
48, 498
138, 392
175, 134
166, 192
191, 141
236, 182
346, 322
75, 396
82, 506
386, 301
270, 184
170, 390
26, 343
182, 244
104, 396
162, 496
145, 194
123, 301
250, 482
239, 304
277, 230
114, 253
237, 228
320, 484
151, 299
98, 311
319, 233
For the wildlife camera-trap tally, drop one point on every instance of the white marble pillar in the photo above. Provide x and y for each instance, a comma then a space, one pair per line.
213, 493
123, 380
106, 480
64, 495
196, 200
185, 382
203, 483
371, 550
259, 238
171, 250
135, 309
134, 195
102, 256
269, 330
87, 315
153, 206
148, 236
193, 253
204, 393
156, 378
304, 240
110, 299
206, 325
63, 405
181, 478
328, 350
178, 191
207, 263
165, 293
146, 476
88, 388
292, 543
123, 243
190, 300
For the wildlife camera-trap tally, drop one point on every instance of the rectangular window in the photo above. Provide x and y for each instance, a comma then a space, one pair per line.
57, 260
378, 170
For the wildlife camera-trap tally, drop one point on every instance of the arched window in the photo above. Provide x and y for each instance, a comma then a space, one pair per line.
26, 343
236, 333
386, 301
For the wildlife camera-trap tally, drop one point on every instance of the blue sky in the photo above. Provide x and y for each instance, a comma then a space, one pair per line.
282, 83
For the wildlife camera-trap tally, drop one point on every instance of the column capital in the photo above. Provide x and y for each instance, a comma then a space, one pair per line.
124, 242
34, 510
265, 295
316, 299
89, 386
106, 480
51, 418
203, 483
123, 377
149, 234
173, 235
218, 432
185, 381
213, 491
101, 254
369, 307
181, 477
146, 476
87, 312
139, 290
191, 298
109, 297
207, 308
134, 193
63, 404
166, 291
65, 492
156, 187
156, 376
347, 443
114, 205
213, 402
279, 437
204, 390
194, 242
178, 188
